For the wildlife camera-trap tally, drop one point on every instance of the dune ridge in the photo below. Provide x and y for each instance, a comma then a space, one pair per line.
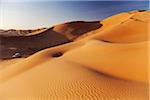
49, 37
13, 32
108, 63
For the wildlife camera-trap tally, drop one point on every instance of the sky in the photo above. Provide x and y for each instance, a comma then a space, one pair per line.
32, 14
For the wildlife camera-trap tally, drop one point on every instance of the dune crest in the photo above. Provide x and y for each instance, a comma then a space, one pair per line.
74, 30
15, 41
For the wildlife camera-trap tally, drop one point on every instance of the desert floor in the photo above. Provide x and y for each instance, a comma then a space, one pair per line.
107, 61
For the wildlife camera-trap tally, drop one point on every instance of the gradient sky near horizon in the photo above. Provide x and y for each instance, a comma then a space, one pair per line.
25, 14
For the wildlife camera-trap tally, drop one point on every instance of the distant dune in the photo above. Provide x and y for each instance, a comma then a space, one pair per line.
26, 42
102, 60
13, 32
75, 29
26, 45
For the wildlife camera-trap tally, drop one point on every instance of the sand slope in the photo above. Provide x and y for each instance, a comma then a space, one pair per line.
110, 64
26, 42
12, 32
123, 28
27, 45
75, 29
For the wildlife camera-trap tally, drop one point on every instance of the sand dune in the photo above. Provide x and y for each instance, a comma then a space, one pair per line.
27, 45
26, 42
124, 28
12, 32
110, 63
75, 29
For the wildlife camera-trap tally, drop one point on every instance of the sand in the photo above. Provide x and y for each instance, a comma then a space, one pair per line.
110, 63
73, 30
13, 32
16, 41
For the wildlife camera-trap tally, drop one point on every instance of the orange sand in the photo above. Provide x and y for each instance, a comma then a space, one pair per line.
89, 68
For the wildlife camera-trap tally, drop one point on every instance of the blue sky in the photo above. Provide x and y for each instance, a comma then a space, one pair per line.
25, 14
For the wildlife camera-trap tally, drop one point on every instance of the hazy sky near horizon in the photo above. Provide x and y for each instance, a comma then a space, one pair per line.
37, 14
